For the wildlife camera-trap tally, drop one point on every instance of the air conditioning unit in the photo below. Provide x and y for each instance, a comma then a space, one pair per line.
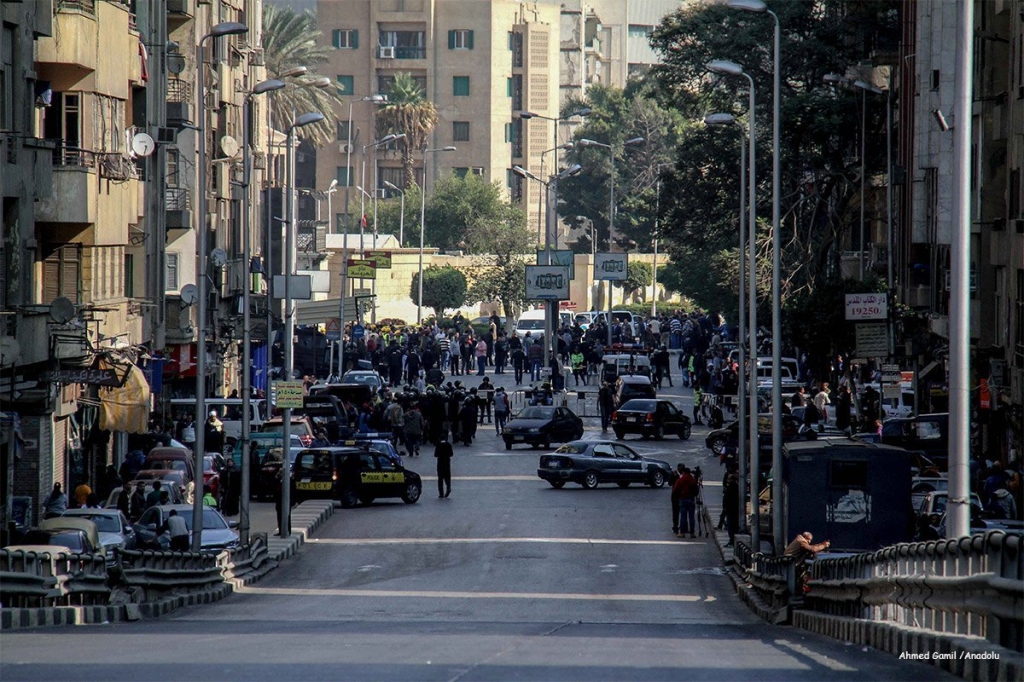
345, 148
387, 52
166, 135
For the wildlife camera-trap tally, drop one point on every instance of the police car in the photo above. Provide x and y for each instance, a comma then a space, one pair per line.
352, 475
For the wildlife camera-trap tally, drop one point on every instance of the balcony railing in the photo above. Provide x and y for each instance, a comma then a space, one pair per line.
401, 52
177, 199
116, 166
87, 6
66, 156
179, 90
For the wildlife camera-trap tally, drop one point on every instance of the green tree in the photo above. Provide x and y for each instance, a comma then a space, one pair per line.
290, 40
443, 288
638, 277
389, 214
458, 207
503, 278
407, 111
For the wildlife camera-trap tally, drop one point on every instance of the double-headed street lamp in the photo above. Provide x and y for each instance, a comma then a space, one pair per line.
289, 318
423, 216
727, 68
551, 185
376, 99
730, 120
401, 218
632, 142
227, 28
759, 7
258, 89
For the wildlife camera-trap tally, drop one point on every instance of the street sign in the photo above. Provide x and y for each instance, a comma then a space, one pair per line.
611, 266
891, 374
332, 329
871, 339
867, 307
564, 257
286, 394
382, 258
362, 268
547, 282
358, 332
299, 289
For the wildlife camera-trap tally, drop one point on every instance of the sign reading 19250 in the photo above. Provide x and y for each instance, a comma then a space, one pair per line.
547, 282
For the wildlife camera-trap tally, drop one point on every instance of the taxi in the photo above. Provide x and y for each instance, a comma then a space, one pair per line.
351, 475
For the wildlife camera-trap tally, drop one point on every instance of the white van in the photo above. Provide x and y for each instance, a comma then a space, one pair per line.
624, 316
229, 411
533, 321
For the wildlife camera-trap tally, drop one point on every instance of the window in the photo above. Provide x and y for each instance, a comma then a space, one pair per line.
508, 87
936, 78
460, 171
61, 273
638, 31
343, 131
460, 39
396, 176
460, 131
346, 85
460, 86
508, 132
7, 79
848, 474
344, 175
345, 39
403, 44
171, 274
129, 275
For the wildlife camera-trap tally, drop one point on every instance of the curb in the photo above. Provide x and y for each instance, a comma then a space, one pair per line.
306, 518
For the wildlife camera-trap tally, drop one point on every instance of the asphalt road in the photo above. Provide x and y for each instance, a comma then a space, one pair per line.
508, 579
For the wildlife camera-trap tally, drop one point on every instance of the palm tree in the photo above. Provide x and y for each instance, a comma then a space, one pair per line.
290, 40
407, 111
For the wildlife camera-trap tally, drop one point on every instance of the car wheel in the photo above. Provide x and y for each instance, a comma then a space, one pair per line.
684, 433
508, 445
618, 434
412, 493
718, 445
590, 480
366, 500
579, 434
657, 478
557, 485
349, 498
659, 433
623, 484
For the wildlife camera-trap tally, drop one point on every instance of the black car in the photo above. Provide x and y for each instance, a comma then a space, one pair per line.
928, 433
650, 418
539, 425
591, 463
726, 438
352, 475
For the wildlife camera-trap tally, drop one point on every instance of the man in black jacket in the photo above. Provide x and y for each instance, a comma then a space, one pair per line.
443, 452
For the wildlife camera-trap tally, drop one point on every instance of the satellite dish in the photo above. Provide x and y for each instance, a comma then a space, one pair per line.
10, 351
229, 146
143, 144
190, 294
62, 310
219, 258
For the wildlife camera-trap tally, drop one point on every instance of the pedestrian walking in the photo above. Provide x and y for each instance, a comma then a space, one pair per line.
730, 503
413, 424
443, 452
605, 404
687, 490
501, 410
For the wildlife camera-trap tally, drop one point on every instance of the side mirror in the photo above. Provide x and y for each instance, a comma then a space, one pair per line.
232, 524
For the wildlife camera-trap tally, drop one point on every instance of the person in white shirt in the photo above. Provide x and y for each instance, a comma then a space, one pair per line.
821, 400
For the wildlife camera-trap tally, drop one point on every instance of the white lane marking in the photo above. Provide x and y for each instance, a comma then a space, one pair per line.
367, 568
509, 477
405, 594
480, 541
609, 568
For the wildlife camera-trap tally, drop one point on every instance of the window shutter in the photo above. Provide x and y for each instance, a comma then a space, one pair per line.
51, 280
70, 267
470, 43
354, 38
451, 40
336, 38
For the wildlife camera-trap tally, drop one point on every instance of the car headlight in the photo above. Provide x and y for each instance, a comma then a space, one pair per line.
533, 431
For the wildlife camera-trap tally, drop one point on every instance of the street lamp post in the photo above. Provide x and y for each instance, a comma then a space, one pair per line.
423, 215
228, 28
289, 319
732, 69
401, 218
243, 509
376, 99
722, 120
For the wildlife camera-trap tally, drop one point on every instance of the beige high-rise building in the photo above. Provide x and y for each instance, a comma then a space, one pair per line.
480, 62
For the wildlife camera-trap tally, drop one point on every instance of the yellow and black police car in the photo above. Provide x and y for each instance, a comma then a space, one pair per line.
351, 475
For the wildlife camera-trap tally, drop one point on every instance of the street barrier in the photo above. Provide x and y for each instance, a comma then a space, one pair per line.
31, 579
160, 574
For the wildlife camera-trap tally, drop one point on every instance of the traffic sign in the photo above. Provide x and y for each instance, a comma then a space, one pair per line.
332, 329
286, 394
358, 331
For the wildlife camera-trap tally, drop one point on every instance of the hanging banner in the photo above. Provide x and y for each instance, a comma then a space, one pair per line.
362, 268
867, 306
547, 282
610, 266
381, 258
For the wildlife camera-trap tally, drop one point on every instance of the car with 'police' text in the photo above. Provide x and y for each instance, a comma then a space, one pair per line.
352, 475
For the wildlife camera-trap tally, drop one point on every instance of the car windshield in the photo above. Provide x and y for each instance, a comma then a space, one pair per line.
639, 405
537, 413
577, 448
172, 464
362, 378
530, 325
211, 520
105, 523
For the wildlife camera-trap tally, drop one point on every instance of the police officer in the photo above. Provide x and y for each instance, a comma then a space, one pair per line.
443, 452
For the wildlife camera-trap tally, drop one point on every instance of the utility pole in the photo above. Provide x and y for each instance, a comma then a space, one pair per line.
154, 20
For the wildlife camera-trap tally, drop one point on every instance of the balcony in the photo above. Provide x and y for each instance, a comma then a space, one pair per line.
77, 26
179, 11
179, 102
74, 197
178, 209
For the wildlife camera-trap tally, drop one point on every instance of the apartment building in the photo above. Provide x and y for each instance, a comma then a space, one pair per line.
97, 162
924, 211
480, 63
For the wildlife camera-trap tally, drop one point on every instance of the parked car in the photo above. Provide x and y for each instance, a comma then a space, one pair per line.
650, 418
727, 438
78, 535
212, 467
591, 463
177, 459
928, 433
115, 532
364, 377
351, 475
539, 425
217, 535
618, 364
168, 479
300, 425
632, 386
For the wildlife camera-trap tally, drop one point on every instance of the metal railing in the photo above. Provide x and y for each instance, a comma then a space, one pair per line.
969, 587
179, 90
65, 156
177, 199
46, 579
87, 6
116, 166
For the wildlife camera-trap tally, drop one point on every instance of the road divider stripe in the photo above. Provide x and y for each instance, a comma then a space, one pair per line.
426, 594
481, 541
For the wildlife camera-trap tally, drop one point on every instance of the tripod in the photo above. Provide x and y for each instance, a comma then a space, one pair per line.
702, 523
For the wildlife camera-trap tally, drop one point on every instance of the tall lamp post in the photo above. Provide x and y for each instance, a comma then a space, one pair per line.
401, 218
611, 207
423, 216
726, 120
376, 99
759, 7
551, 187
227, 28
727, 68
289, 318
243, 509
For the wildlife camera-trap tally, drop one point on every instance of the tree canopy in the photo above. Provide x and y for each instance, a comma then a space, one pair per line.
444, 287
407, 111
